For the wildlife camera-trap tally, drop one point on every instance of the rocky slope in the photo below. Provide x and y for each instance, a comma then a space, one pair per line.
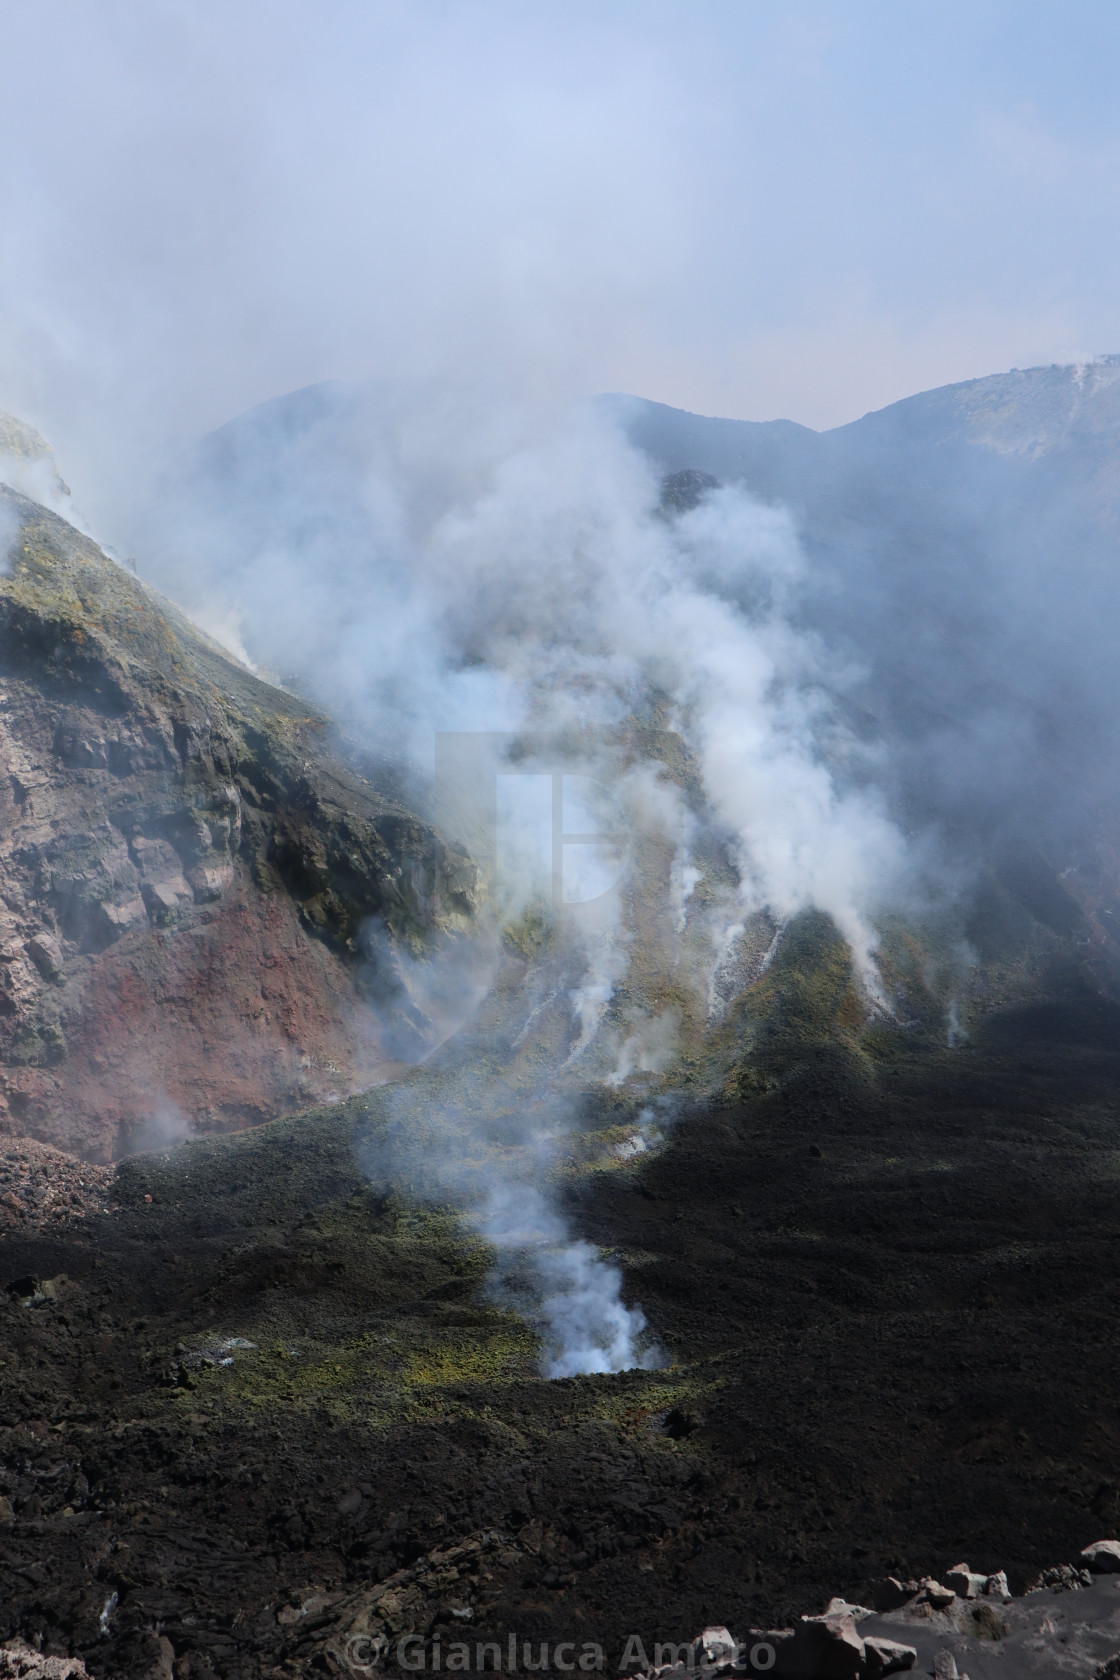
185, 872
259, 1395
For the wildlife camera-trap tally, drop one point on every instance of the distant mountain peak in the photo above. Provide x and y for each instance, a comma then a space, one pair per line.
1025, 411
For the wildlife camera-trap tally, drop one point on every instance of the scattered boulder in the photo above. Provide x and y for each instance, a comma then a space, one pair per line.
822, 1648
818, 1648
891, 1594
163, 1668
940, 1597
961, 1580
1064, 1577
46, 953
208, 881
997, 1586
719, 1648
1103, 1557
945, 1667
841, 1607
887, 1656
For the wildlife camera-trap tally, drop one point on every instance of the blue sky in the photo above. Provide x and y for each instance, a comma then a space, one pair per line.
755, 209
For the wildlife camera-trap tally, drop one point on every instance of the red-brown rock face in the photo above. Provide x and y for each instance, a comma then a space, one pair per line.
184, 874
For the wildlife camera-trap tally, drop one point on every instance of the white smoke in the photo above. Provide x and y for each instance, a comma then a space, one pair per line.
562, 578
36, 477
9, 535
164, 1126
586, 1327
489, 570
468, 576
649, 1047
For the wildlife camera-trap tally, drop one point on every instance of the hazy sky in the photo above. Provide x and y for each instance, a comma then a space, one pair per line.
754, 209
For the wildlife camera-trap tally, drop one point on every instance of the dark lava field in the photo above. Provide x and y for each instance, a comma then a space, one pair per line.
890, 1309
271, 1387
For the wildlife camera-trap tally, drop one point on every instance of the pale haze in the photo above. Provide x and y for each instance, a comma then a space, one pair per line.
753, 210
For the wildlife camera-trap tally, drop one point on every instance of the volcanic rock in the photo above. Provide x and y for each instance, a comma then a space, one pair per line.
822, 1648
1103, 1557
841, 1607
22, 1662
1063, 1577
42, 1187
718, 1646
891, 1594
964, 1582
887, 1656
185, 873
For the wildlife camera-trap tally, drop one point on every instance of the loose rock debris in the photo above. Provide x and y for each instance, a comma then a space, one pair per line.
41, 1186
963, 1627
23, 1662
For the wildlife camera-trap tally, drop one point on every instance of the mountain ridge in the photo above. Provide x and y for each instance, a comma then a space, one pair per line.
185, 869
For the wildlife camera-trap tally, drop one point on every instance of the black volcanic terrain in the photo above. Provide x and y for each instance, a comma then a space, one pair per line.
263, 1409
891, 1302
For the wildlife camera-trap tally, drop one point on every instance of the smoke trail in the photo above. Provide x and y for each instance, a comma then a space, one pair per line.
164, 1126
574, 1296
497, 574
478, 571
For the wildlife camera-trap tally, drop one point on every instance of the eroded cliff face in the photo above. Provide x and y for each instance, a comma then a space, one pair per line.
185, 872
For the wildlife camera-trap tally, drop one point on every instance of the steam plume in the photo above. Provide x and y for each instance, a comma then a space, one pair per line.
476, 568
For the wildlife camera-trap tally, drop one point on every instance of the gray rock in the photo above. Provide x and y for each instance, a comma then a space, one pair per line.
1103, 1557
719, 1648
841, 1607
822, 1648
940, 1597
945, 1666
891, 1594
1062, 1578
46, 953
997, 1586
164, 1666
961, 1580
886, 1656
18, 1659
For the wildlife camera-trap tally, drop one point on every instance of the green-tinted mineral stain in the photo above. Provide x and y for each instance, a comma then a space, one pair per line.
595, 1152
528, 936
380, 1379
639, 1411
504, 1355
